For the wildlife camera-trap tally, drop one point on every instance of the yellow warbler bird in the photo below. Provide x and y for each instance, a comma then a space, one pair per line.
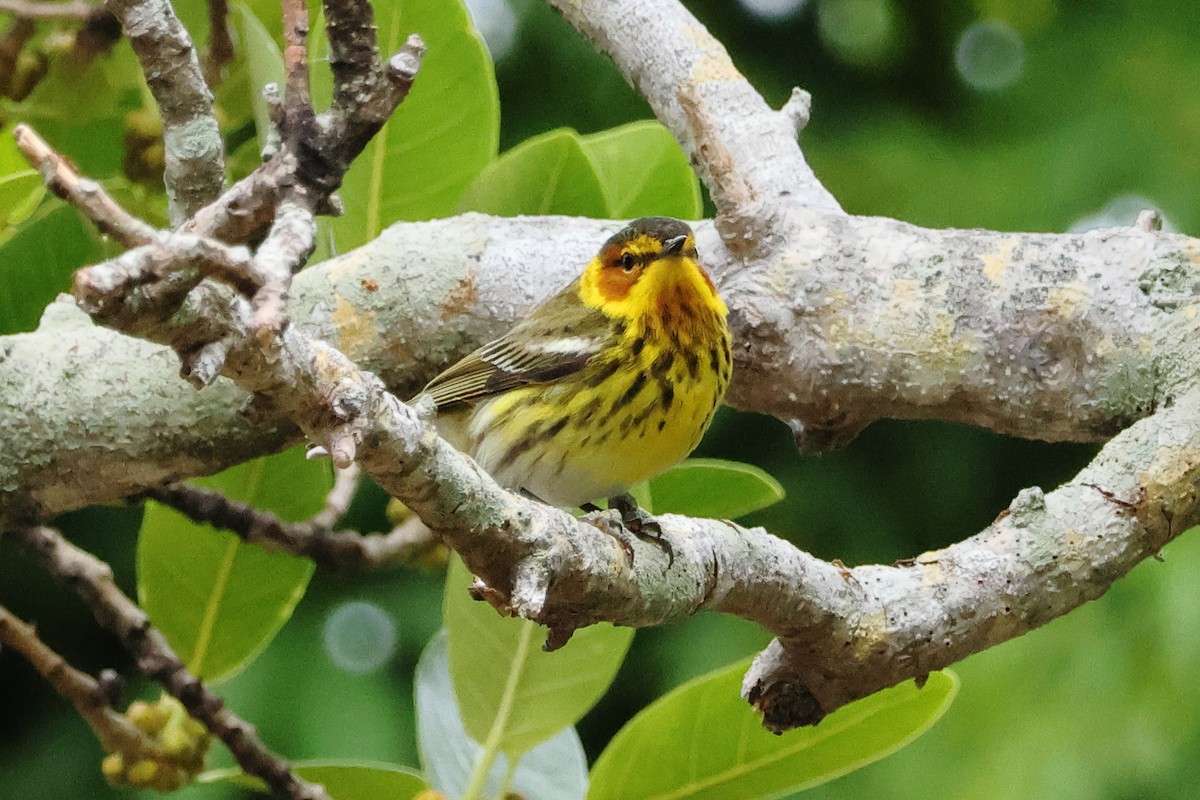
604, 385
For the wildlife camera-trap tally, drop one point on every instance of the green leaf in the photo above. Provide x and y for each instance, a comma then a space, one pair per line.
703, 741
547, 174
81, 111
644, 172
507, 687
556, 769
264, 64
343, 780
37, 259
440, 137
711, 487
20, 194
219, 600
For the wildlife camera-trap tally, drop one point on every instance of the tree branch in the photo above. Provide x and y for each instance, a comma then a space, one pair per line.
44, 9
115, 732
195, 172
92, 580
843, 634
219, 52
314, 538
88, 196
745, 152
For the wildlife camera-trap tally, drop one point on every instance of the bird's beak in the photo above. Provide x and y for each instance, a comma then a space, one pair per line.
674, 245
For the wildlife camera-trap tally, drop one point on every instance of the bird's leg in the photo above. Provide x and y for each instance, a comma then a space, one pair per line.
640, 523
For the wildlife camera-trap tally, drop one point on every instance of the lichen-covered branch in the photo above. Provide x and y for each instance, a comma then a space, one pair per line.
1065, 338
745, 152
195, 156
92, 580
842, 633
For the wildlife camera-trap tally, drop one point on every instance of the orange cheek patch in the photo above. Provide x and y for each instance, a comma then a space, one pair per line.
614, 284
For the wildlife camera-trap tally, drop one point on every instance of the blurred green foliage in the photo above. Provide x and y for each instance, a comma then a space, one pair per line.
1098, 705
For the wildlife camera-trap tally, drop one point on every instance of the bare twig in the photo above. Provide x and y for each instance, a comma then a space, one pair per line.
92, 580
114, 730
219, 52
88, 196
195, 171
314, 538
39, 9
337, 502
11, 44
298, 115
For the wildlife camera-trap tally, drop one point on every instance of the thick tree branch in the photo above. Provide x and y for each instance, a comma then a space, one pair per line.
1065, 338
745, 152
843, 633
195, 171
92, 580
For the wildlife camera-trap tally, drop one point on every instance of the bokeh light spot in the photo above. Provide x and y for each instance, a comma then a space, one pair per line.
989, 55
497, 24
859, 32
772, 10
359, 637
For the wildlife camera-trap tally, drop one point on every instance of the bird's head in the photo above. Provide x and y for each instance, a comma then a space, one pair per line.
649, 269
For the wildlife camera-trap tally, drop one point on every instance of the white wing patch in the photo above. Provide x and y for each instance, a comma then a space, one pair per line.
568, 346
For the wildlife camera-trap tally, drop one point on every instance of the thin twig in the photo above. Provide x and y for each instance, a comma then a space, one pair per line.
114, 730
195, 159
314, 538
88, 196
219, 52
92, 580
337, 502
33, 9
11, 44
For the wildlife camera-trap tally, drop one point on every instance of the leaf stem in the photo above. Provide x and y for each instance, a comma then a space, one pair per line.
491, 747
508, 778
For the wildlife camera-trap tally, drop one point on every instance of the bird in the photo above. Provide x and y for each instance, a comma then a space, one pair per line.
604, 385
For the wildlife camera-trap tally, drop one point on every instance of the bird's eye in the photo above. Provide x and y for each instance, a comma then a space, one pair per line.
628, 262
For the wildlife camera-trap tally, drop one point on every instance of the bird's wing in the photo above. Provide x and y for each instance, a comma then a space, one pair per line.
558, 339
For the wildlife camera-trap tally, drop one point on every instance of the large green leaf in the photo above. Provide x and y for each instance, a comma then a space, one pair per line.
644, 172
440, 137
547, 174
703, 741
343, 780
556, 769
219, 600
37, 259
712, 487
508, 689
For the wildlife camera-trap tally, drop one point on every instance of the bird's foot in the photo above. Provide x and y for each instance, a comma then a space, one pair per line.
641, 524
